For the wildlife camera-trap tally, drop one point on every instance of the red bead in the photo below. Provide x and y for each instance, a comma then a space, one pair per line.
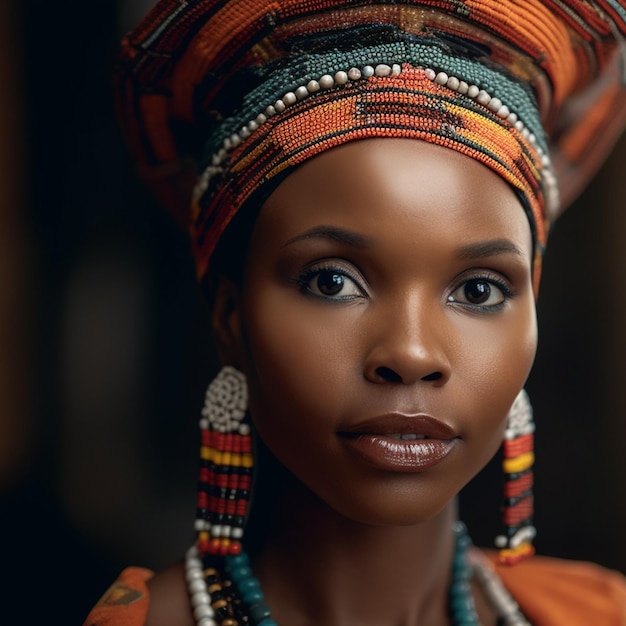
234, 548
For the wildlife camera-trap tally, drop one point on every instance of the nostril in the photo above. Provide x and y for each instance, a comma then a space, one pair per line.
433, 376
388, 375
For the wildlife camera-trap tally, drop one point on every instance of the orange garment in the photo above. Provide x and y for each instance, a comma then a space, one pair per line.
551, 592
125, 602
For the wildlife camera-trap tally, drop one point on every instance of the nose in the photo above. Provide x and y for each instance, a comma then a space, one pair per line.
408, 345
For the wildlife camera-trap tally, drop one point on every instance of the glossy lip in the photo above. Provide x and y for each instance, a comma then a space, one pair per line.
373, 442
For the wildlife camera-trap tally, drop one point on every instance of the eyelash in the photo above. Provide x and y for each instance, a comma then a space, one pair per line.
488, 277
304, 280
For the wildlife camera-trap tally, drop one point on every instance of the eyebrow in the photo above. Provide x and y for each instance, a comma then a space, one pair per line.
489, 248
334, 233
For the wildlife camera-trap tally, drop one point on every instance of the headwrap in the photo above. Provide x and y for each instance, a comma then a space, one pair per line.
233, 94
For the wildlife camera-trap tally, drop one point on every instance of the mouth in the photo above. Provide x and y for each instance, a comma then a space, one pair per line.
401, 443
402, 426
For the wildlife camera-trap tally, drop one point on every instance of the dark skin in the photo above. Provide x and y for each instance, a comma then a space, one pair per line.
383, 277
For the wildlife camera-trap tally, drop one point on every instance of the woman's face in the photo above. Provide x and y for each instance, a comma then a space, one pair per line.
387, 294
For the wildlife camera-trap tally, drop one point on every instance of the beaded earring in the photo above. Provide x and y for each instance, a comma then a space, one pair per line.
515, 542
225, 465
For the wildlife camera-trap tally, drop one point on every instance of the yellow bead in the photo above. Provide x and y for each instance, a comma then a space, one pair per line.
518, 464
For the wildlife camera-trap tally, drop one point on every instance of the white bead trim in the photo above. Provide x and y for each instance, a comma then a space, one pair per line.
198, 592
325, 82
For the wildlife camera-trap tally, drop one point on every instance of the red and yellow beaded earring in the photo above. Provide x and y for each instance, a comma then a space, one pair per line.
226, 463
515, 542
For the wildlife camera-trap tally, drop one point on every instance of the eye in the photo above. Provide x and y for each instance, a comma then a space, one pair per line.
486, 293
331, 282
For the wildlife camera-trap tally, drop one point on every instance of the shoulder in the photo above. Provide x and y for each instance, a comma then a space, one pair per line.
141, 598
125, 602
552, 592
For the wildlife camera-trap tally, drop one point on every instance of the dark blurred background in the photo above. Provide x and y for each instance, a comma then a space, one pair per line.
106, 351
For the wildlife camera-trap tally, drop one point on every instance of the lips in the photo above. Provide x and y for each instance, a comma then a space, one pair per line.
401, 443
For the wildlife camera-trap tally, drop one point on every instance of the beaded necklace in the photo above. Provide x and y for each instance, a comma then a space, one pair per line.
224, 592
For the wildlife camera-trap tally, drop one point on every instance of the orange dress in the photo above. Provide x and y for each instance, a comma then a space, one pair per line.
550, 592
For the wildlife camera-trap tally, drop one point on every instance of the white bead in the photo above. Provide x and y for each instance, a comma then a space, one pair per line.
503, 112
235, 139
494, 104
519, 125
500, 541
216, 531
453, 83
204, 423
200, 524
483, 97
512, 118
244, 133
194, 574
270, 111
253, 125
354, 73
532, 138
279, 106
473, 91
430, 73
382, 70
197, 585
206, 621
236, 532
368, 71
261, 118
202, 597
525, 133
302, 92
193, 562
341, 77
244, 429
226, 531
396, 69
463, 87
441, 78
192, 552
289, 98
202, 610
312, 86
327, 81
228, 144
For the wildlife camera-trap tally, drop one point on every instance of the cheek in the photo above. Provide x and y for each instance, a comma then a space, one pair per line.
299, 359
495, 363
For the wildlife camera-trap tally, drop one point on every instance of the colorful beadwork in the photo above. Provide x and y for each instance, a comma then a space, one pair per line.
516, 541
221, 85
224, 592
226, 465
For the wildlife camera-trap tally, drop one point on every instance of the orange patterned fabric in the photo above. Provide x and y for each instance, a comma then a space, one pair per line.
551, 592
126, 601
212, 87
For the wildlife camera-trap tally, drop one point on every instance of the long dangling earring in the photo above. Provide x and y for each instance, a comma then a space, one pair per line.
225, 465
515, 542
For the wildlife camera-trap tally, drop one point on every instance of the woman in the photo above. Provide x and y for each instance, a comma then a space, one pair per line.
373, 185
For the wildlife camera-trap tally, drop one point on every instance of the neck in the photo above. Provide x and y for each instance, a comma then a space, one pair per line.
316, 566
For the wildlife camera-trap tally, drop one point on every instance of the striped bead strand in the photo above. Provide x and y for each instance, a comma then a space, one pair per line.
226, 465
516, 542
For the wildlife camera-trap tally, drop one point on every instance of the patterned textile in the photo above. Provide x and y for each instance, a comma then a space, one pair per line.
238, 92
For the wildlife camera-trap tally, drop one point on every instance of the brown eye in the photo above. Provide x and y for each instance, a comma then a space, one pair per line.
330, 283
483, 293
477, 291
333, 284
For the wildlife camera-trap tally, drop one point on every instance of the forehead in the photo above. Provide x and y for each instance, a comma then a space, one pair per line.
396, 189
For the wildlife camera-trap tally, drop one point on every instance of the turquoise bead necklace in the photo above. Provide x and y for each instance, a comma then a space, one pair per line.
224, 591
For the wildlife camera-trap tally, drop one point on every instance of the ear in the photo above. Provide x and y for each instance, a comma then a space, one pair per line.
226, 320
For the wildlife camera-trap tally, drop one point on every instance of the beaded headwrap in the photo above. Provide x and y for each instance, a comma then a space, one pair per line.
226, 96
